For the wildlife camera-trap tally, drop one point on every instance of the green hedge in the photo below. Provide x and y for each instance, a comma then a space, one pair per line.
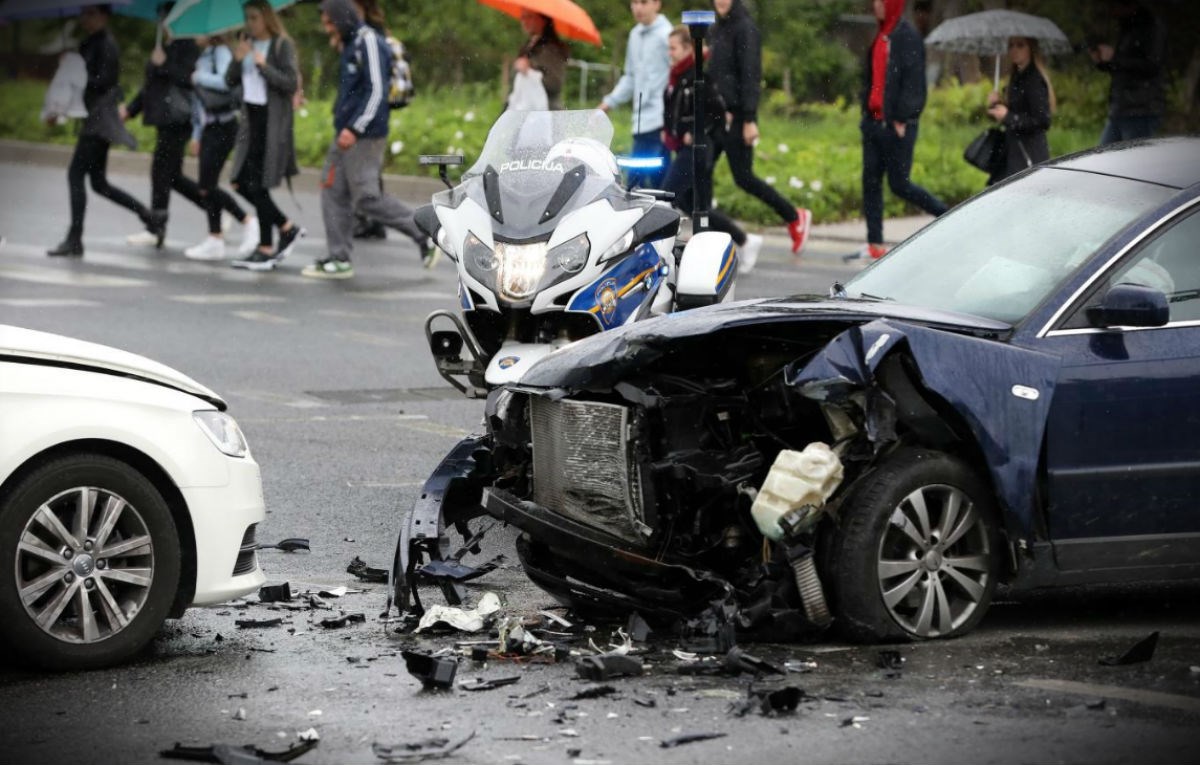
810, 152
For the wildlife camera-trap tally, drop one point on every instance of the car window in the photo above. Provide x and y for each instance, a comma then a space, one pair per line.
1168, 262
1002, 253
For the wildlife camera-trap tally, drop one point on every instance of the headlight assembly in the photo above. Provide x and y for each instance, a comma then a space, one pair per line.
572, 255
479, 254
521, 268
223, 431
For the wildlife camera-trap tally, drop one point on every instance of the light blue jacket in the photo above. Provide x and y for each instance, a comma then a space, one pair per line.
647, 67
216, 57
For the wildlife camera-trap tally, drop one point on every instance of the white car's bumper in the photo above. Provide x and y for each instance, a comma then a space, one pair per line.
226, 564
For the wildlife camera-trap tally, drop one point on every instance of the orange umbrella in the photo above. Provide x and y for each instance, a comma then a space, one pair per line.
569, 19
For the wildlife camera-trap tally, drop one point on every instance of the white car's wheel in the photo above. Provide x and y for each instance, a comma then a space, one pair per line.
89, 562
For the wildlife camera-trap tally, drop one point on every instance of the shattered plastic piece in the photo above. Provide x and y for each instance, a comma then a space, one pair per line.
429, 749
472, 620
889, 659
556, 619
244, 624
608, 666
336, 592
291, 544
359, 568
240, 714
781, 701
309, 735
432, 671
800, 666
595, 692
481, 684
337, 622
648, 703
275, 593
855, 721
639, 631
228, 754
689, 738
738, 661
1141, 651
457, 571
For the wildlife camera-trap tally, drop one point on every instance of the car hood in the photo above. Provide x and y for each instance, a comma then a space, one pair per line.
602, 359
33, 347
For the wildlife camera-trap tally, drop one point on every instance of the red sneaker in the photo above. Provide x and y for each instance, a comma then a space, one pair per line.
798, 229
877, 251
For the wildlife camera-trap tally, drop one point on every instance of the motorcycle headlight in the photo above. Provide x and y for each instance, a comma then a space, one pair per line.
619, 247
572, 255
475, 251
223, 431
521, 268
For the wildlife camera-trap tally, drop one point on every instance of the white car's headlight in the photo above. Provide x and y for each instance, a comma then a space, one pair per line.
521, 268
223, 431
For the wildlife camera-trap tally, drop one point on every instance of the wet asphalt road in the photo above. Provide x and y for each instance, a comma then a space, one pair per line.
343, 410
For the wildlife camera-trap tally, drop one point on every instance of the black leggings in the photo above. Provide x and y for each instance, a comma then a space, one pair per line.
216, 142
679, 181
166, 168
249, 181
741, 164
91, 160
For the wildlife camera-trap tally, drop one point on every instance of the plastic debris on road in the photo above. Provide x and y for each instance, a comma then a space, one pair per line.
1141, 651
359, 568
228, 754
292, 544
416, 751
689, 738
433, 671
472, 620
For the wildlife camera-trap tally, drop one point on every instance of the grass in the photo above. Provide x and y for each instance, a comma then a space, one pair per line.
811, 153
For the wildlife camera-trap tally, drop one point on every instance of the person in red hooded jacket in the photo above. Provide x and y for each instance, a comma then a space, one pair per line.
892, 100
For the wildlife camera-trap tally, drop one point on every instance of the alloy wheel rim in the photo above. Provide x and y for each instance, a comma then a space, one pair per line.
934, 561
84, 565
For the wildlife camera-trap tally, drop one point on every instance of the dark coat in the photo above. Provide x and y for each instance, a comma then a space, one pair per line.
904, 85
1028, 119
548, 55
166, 97
1138, 68
102, 95
735, 62
363, 69
283, 80
679, 107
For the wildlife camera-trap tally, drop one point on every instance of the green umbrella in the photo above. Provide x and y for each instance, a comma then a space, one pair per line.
210, 17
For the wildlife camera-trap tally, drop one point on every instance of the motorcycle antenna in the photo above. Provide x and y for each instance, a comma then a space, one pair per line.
698, 23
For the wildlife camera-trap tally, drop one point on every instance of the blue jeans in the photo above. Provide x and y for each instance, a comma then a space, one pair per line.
1128, 129
884, 152
646, 145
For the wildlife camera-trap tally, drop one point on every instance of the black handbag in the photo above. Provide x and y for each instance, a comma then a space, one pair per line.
216, 102
986, 151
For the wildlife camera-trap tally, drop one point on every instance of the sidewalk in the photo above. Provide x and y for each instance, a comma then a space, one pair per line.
416, 190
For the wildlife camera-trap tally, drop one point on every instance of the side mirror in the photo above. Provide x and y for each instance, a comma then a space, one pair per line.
1130, 305
427, 220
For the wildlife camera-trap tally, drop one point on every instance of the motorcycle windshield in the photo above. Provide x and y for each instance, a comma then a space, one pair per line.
537, 166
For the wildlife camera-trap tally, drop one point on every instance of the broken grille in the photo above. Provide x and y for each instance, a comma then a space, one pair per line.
582, 465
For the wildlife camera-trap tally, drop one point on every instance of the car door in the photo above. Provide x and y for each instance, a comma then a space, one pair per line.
1123, 435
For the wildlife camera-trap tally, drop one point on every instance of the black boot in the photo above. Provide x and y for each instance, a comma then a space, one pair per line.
69, 247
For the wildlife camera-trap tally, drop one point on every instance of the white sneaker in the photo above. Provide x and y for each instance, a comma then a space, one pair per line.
212, 248
748, 254
249, 237
142, 239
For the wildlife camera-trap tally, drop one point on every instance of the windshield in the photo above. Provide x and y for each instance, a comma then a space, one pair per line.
1002, 253
537, 166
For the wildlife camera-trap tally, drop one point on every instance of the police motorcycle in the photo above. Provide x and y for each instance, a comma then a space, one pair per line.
549, 248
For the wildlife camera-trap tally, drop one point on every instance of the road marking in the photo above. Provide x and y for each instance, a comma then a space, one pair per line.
48, 303
405, 295
384, 485
369, 339
46, 275
338, 418
271, 397
437, 429
1150, 698
266, 318
226, 299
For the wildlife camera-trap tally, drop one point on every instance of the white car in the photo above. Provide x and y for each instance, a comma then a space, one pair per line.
127, 494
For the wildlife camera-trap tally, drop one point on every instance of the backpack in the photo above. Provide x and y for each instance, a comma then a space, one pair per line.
400, 90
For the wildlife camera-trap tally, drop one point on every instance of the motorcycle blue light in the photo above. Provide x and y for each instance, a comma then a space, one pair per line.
640, 163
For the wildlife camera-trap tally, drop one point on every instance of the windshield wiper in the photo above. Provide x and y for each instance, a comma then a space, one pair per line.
869, 296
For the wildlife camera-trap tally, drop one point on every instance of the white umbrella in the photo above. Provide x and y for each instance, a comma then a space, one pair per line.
986, 34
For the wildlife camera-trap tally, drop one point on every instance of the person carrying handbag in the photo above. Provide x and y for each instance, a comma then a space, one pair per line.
1024, 110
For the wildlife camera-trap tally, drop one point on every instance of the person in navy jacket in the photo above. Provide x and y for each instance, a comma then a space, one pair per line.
351, 178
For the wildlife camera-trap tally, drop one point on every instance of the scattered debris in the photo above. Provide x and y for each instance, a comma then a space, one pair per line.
432, 671
781, 701
309, 735
800, 666
472, 620
337, 622
275, 593
738, 661
1141, 651
480, 684
1097, 705
689, 738
236, 755
240, 714
359, 568
292, 544
595, 692
428, 749
648, 703
855, 722
889, 659
456, 571
336, 592
245, 624
639, 631
608, 666
556, 619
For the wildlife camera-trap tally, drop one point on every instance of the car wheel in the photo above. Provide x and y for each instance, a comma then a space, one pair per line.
915, 555
89, 563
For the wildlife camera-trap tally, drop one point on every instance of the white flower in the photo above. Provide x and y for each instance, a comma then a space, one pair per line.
782, 148
770, 179
458, 135
716, 203
817, 185
397, 147
795, 182
304, 113
449, 149
469, 117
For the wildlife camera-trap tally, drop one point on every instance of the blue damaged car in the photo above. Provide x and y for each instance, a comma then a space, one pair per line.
1012, 396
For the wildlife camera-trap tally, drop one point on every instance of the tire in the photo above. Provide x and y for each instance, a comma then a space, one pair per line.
102, 601
893, 580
